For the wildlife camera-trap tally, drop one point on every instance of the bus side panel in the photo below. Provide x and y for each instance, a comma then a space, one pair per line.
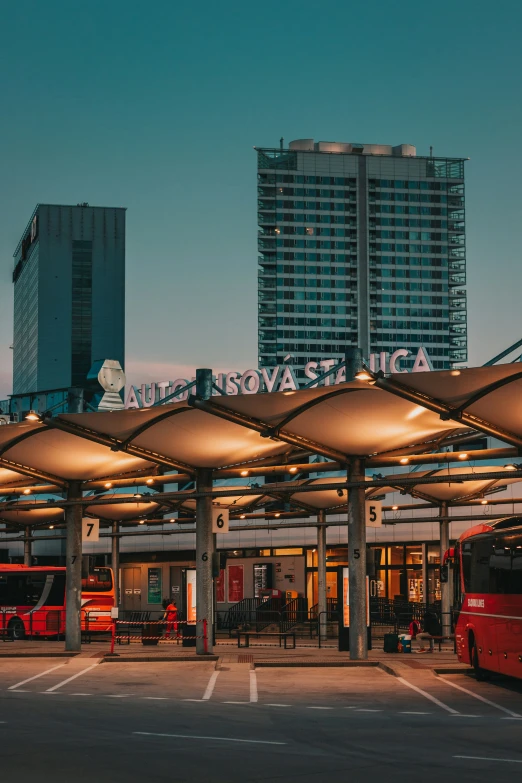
509, 635
478, 620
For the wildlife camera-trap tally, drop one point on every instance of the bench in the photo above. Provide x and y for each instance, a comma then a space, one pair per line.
281, 635
128, 625
440, 639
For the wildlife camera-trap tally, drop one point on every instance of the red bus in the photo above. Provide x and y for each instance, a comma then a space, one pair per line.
487, 563
32, 600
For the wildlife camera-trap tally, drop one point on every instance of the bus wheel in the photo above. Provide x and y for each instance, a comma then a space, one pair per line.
16, 629
480, 674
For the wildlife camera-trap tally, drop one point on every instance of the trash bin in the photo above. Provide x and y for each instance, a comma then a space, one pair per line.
188, 635
151, 633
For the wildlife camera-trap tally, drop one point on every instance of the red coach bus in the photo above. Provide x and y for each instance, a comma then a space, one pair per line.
487, 563
32, 600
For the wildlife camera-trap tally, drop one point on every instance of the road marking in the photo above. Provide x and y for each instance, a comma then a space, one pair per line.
119, 695
80, 694
482, 698
210, 687
235, 702
192, 700
362, 710
156, 698
319, 708
427, 696
70, 679
19, 691
253, 686
278, 705
415, 713
217, 739
461, 715
487, 758
511, 718
36, 676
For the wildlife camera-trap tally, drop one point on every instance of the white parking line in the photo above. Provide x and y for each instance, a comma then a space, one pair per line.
428, 696
156, 698
216, 739
415, 713
319, 708
210, 687
253, 686
278, 705
70, 679
36, 676
487, 758
362, 710
482, 698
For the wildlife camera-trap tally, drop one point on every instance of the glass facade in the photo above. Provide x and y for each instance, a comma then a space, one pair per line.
81, 339
347, 257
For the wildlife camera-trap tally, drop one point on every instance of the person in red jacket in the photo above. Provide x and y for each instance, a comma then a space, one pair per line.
171, 616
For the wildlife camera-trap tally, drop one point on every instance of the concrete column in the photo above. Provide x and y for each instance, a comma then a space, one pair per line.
425, 591
357, 562
445, 603
28, 559
73, 578
321, 575
115, 561
204, 550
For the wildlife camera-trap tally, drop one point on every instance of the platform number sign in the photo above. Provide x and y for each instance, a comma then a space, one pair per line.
373, 513
90, 529
219, 519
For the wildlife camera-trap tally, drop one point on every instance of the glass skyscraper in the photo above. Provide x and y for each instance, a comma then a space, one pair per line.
69, 295
360, 245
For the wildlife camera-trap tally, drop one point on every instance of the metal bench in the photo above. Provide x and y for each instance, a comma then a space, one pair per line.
259, 634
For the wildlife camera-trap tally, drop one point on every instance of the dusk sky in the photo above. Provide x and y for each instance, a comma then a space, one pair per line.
157, 106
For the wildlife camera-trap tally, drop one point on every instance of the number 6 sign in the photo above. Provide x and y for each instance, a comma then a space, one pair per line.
90, 529
220, 518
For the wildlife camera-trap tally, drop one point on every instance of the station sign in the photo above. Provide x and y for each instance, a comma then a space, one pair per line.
281, 378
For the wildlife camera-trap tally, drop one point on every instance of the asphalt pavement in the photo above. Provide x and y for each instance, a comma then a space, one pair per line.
226, 722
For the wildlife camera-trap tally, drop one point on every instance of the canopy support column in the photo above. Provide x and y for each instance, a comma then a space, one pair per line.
28, 560
73, 576
115, 561
445, 602
357, 562
204, 551
322, 604
425, 586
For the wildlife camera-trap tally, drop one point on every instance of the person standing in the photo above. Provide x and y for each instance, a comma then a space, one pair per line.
171, 616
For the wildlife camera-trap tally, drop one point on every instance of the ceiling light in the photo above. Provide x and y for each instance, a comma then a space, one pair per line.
395, 508
27, 491
292, 470
455, 372
244, 472
108, 484
510, 467
242, 516
363, 375
277, 515
404, 461
142, 521
51, 527
150, 481
484, 502
137, 495
32, 416
463, 456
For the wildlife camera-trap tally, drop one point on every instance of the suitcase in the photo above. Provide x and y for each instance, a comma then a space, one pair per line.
391, 642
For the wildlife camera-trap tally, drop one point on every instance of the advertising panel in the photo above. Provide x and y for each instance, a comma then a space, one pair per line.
191, 595
235, 583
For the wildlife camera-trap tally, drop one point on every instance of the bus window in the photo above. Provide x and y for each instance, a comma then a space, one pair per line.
500, 568
98, 581
475, 564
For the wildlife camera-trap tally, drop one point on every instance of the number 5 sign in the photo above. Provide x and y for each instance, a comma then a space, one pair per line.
90, 529
219, 519
373, 513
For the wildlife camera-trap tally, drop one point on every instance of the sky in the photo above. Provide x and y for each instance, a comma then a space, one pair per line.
157, 107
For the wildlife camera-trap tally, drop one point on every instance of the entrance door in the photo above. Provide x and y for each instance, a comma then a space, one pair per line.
131, 588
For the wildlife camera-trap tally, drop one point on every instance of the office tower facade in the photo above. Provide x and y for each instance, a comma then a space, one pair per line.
69, 296
360, 245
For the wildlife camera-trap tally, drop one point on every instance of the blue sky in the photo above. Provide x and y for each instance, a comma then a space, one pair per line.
157, 106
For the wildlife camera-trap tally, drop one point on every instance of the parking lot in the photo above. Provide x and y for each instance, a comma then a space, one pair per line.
226, 721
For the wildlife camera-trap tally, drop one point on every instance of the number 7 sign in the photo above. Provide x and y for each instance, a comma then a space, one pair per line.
90, 529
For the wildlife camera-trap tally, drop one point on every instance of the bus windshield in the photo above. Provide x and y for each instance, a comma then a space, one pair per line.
99, 580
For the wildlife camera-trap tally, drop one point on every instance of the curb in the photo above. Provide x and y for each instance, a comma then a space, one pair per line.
388, 669
159, 659
453, 670
38, 655
317, 664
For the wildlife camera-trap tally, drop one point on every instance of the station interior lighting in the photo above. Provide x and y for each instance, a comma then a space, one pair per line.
33, 416
108, 484
292, 470
404, 461
243, 516
137, 495
277, 515
484, 502
150, 481
27, 491
463, 455
395, 508
244, 472
363, 375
